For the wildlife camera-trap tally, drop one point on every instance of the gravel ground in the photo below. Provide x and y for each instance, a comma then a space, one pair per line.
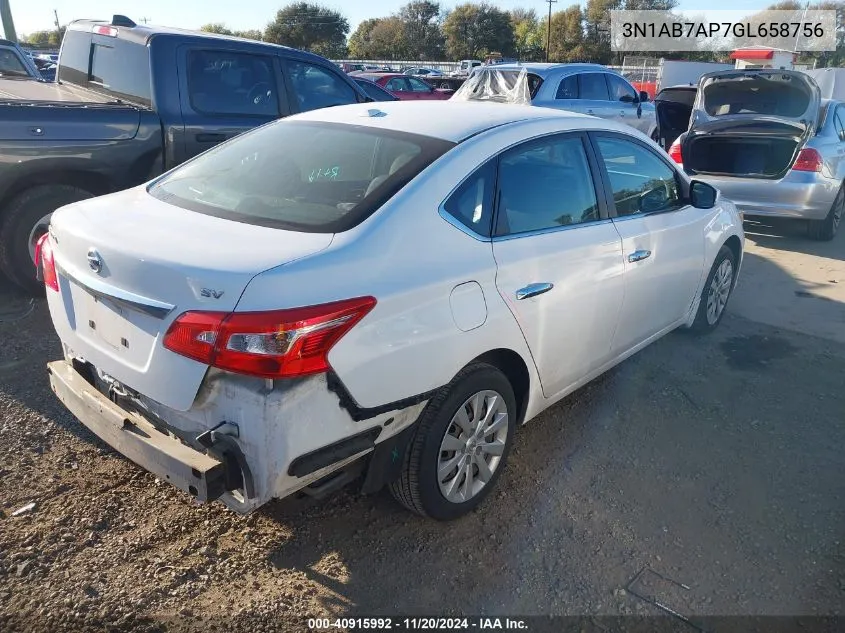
717, 462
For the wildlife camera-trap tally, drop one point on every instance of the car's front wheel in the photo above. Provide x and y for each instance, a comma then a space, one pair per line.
461, 445
717, 291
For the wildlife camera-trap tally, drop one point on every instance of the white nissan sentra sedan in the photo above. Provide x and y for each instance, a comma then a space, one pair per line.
383, 293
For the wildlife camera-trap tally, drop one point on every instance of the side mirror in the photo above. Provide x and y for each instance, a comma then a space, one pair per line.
702, 195
643, 96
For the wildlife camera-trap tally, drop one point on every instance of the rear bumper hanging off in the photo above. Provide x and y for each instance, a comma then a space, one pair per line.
202, 476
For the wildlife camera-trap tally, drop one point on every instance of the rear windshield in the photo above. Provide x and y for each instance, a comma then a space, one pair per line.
511, 77
109, 65
776, 95
301, 176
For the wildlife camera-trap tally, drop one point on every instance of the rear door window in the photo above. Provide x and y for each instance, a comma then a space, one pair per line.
592, 86
318, 87
418, 85
568, 88
471, 204
545, 184
226, 83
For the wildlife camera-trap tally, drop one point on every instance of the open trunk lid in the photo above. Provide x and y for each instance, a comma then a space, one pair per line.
750, 123
129, 264
784, 96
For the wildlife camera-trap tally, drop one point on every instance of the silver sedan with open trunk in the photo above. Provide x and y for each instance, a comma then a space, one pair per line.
767, 140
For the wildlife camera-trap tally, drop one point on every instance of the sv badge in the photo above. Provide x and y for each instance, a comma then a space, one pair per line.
210, 293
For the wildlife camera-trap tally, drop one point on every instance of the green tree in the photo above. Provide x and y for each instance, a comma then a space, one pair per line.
567, 35
473, 30
216, 27
250, 34
39, 38
423, 35
528, 38
379, 38
310, 27
597, 27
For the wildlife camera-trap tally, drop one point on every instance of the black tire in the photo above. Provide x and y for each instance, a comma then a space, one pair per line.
825, 230
701, 324
18, 220
417, 488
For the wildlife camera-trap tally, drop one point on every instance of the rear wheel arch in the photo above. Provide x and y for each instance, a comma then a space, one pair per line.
92, 182
515, 369
735, 245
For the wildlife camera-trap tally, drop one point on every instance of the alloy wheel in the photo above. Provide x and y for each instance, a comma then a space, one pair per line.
473, 446
720, 290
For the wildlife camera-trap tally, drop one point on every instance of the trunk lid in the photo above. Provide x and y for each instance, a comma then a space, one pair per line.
129, 264
783, 96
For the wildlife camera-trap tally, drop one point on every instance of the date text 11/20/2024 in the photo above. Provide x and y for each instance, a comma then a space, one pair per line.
417, 624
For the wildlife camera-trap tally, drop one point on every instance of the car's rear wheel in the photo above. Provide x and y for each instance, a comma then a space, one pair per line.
717, 291
460, 446
825, 230
26, 218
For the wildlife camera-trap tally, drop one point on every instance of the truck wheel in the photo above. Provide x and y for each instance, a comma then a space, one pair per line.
460, 446
24, 220
825, 230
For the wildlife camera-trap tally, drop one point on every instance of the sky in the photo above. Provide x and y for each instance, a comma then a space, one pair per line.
250, 14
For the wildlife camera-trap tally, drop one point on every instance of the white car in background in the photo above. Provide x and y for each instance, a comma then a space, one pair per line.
385, 290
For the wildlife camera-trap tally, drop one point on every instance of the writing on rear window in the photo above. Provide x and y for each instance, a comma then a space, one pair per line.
324, 173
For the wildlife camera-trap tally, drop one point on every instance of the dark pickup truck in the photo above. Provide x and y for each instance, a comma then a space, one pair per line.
131, 102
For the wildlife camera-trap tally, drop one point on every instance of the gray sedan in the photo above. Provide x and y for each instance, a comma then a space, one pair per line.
767, 141
585, 88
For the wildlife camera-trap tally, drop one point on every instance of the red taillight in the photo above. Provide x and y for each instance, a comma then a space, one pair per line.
808, 160
275, 344
45, 263
675, 152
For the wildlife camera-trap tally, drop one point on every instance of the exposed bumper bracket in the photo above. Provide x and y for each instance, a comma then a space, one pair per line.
129, 433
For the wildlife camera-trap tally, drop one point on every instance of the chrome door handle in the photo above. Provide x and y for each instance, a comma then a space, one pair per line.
532, 290
638, 256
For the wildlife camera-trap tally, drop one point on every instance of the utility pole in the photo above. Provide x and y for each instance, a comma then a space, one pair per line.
56, 15
145, 20
549, 31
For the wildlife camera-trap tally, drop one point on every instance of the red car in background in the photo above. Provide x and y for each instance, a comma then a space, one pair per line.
406, 88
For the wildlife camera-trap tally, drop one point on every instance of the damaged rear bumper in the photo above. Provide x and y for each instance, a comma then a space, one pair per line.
199, 474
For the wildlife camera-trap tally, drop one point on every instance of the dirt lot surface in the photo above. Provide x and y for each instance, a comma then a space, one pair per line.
718, 462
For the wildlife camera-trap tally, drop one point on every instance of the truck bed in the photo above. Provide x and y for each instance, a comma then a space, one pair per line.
34, 90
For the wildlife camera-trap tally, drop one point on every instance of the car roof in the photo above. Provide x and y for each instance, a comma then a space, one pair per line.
544, 70
447, 120
143, 33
